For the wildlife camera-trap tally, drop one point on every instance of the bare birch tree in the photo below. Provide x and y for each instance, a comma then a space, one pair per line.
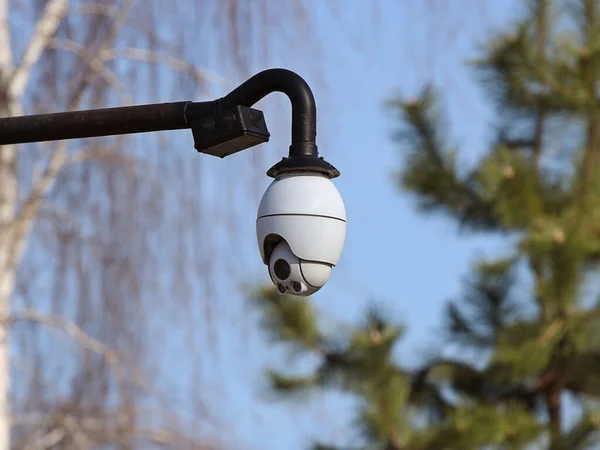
109, 247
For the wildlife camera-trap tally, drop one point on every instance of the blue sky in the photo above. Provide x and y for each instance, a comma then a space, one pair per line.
410, 263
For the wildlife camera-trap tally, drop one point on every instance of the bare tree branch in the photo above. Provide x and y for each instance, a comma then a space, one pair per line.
55, 321
14, 237
47, 441
97, 8
119, 365
95, 64
176, 64
93, 429
45, 29
77, 432
61, 217
113, 12
125, 161
6, 60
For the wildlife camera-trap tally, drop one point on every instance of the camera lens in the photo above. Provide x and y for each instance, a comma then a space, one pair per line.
281, 288
281, 269
297, 286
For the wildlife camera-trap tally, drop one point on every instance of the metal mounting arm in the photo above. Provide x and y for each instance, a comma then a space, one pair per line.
304, 109
220, 127
98, 122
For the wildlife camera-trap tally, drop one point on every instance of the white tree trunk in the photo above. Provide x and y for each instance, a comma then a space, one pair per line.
7, 283
13, 81
8, 198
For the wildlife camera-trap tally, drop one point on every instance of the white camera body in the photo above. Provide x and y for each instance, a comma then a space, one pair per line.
301, 229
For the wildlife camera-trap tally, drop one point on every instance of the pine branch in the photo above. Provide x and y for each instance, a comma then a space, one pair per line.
384, 412
473, 428
487, 306
512, 73
288, 386
360, 364
319, 446
584, 434
431, 171
289, 319
427, 396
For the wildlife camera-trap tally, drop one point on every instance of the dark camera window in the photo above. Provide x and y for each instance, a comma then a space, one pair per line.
282, 269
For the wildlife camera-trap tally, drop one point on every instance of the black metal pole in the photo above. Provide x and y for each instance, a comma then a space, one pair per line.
99, 122
165, 116
220, 127
171, 116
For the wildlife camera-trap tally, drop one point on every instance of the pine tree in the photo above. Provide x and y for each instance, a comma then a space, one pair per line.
528, 313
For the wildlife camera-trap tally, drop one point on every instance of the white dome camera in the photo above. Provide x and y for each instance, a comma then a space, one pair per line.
301, 228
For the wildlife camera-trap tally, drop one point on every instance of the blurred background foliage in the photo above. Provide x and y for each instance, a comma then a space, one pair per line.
525, 320
125, 268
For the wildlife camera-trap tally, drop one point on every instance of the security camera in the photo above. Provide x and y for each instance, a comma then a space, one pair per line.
301, 228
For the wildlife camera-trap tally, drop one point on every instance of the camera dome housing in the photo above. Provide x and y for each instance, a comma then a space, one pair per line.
301, 222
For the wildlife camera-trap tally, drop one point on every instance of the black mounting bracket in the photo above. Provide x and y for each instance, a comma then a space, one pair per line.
229, 131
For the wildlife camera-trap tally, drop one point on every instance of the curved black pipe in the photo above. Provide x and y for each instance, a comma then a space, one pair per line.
303, 153
304, 110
